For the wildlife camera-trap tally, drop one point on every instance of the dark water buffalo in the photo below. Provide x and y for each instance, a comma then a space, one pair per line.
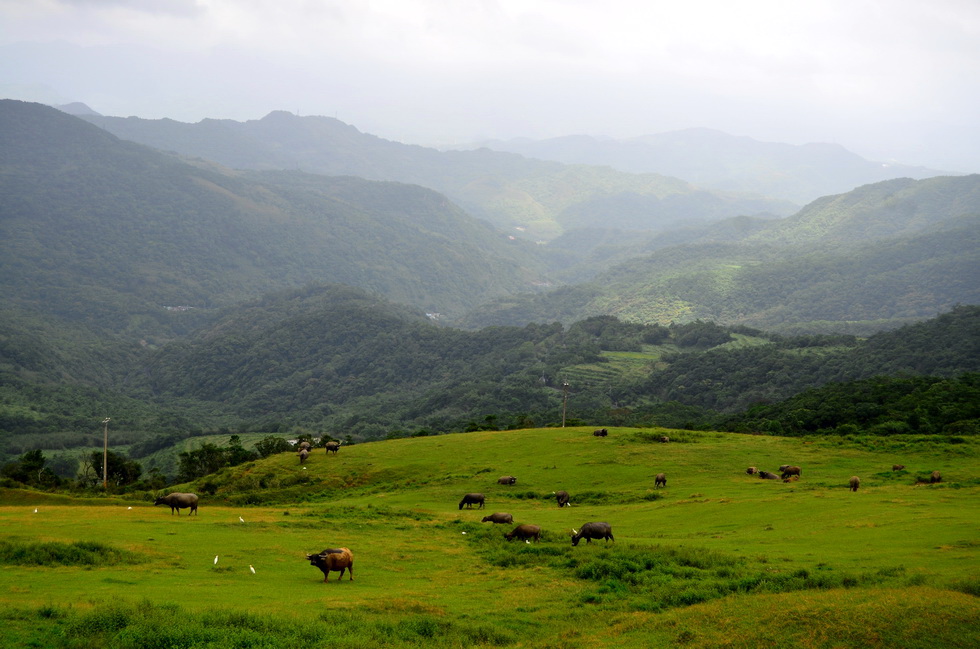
660, 480
501, 518
935, 477
602, 432
506, 479
791, 470
898, 467
524, 533
178, 501
562, 498
304, 445
591, 531
854, 483
332, 446
336, 559
765, 475
752, 470
303, 455
471, 499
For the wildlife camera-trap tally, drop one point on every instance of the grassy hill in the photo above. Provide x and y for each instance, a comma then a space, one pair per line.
718, 558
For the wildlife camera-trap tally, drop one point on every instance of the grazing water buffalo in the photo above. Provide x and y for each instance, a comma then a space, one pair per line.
660, 480
591, 531
332, 446
752, 470
791, 470
336, 559
506, 479
898, 467
765, 475
304, 445
178, 501
562, 498
303, 455
935, 477
664, 439
602, 432
471, 499
499, 517
855, 482
524, 532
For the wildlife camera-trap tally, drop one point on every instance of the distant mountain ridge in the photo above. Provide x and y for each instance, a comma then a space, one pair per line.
717, 160
530, 198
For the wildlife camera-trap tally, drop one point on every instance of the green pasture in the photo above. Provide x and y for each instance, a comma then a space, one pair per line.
718, 558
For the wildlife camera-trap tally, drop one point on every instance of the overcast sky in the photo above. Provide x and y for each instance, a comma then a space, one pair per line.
888, 79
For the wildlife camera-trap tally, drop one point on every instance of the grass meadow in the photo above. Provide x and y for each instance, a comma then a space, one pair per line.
718, 558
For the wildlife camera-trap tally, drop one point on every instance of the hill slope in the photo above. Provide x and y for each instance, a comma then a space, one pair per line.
540, 199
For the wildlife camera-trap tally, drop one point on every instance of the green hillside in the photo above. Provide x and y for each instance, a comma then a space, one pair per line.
717, 558
529, 198
101, 232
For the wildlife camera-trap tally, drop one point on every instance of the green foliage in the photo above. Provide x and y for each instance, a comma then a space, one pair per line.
79, 553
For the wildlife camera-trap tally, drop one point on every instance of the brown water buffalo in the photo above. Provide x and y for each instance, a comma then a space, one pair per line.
524, 533
501, 518
898, 467
660, 480
562, 498
791, 470
304, 445
336, 559
935, 477
471, 499
766, 475
752, 470
178, 501
854, 483
664, 439
591, 531
506, 479
332, 446
303, 455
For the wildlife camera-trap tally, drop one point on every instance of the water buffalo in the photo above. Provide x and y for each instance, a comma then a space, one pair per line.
765, 475
332, 446
752, 470
178, 501
471, 499
562, 498
792, 478
506, 479
303, 455
591, 531
898, 467
524, 532
854, 483
935, 477
660, 480
664, 439
336, 559
498, 517
602, 432
304, 445
791, 470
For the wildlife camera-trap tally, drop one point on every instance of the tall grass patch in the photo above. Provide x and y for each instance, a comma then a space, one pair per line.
79, 553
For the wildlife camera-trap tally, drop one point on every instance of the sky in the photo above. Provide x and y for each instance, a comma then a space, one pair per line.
891, 80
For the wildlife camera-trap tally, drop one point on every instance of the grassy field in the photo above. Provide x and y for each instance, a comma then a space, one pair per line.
718, 558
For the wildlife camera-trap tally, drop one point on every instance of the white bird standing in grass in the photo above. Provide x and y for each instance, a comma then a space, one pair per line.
241, 519
215, 559
251, 568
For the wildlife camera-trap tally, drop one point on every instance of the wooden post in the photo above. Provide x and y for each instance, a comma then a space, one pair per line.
105, 454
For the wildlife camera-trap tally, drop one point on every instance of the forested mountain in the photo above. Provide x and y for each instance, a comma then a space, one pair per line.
712, 159
100, 231
876, 257
531, 198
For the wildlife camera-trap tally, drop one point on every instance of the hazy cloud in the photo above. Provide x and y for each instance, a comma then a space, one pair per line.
886, 78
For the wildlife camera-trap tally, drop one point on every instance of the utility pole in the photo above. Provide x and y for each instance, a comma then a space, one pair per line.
105, 453
564, 401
